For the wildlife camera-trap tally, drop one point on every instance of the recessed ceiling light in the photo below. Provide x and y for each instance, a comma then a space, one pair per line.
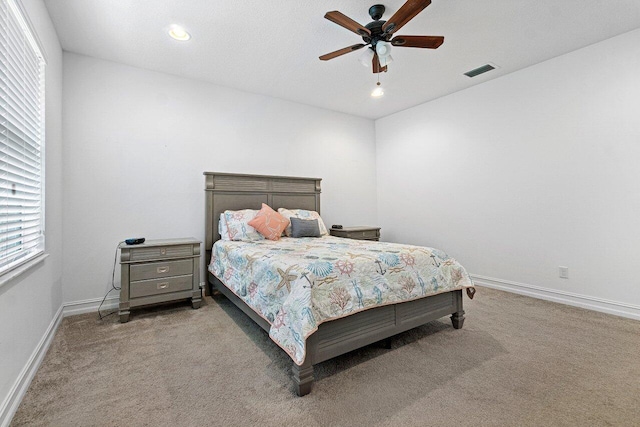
377, 92
179, 33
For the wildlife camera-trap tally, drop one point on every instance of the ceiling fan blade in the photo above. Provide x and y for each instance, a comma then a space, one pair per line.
428, 42
405, 14
346, 22
342, 51
377, 68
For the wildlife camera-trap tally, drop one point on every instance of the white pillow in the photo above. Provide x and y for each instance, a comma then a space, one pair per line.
238, 227
302, 214
222, 228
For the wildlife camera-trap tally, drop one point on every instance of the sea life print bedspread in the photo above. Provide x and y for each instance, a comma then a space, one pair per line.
298, 283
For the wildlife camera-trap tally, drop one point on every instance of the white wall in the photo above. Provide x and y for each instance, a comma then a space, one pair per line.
525, 173
29, 303
137, 143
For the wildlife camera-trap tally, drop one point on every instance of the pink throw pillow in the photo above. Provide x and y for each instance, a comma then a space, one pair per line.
269, 223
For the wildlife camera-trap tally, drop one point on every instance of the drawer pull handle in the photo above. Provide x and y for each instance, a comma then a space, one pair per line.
164, 269
163, 285
163, 251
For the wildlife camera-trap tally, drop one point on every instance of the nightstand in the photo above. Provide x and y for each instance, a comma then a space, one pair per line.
360, 233
159, 271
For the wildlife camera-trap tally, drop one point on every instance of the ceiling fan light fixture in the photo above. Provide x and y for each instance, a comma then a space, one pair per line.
386, 60
377, 92
366, 57
383, 49
179, 33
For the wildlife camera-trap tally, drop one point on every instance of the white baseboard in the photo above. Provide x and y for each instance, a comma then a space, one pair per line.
20, 387
90, 305
584, 301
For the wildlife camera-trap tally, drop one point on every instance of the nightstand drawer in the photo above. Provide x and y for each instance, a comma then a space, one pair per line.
156, 270
360, 233
145, 288
366, 235
159, 252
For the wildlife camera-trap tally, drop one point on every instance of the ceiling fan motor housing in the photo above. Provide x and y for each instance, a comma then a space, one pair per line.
376, 33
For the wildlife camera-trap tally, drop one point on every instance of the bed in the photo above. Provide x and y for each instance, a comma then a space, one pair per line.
322, 339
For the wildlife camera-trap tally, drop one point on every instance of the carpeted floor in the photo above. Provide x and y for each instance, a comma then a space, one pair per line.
517, 361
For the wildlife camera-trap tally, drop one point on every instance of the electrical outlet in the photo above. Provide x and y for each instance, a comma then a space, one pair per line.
563, 272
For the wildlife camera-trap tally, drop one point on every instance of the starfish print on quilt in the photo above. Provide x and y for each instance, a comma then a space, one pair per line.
287, 278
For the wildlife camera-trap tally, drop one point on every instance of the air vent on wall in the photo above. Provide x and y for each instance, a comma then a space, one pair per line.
480, 70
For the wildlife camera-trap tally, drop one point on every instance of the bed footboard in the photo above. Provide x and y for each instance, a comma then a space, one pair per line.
349, 333
367, 327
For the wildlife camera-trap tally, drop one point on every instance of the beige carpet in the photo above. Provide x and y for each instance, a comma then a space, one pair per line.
517, 361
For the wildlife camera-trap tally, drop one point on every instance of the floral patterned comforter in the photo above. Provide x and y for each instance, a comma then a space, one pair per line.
296, 284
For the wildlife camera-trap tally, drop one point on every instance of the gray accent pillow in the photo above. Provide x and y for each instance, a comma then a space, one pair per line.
304, 227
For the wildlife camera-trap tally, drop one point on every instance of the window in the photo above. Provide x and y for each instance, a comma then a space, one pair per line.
21, 139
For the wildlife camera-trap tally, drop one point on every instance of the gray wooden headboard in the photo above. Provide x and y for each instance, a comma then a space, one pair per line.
241, 191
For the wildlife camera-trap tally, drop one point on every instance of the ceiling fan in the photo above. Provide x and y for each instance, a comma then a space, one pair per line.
377, 34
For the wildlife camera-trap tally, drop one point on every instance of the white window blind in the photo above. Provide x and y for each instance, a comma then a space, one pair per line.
21, 140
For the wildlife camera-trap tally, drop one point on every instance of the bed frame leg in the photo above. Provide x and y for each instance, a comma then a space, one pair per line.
457, 318
302, 378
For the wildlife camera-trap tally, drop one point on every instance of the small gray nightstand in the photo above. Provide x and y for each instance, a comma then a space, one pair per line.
360, 233
159, 271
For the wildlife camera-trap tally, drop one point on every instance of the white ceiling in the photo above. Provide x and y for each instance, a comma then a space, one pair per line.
272, 47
